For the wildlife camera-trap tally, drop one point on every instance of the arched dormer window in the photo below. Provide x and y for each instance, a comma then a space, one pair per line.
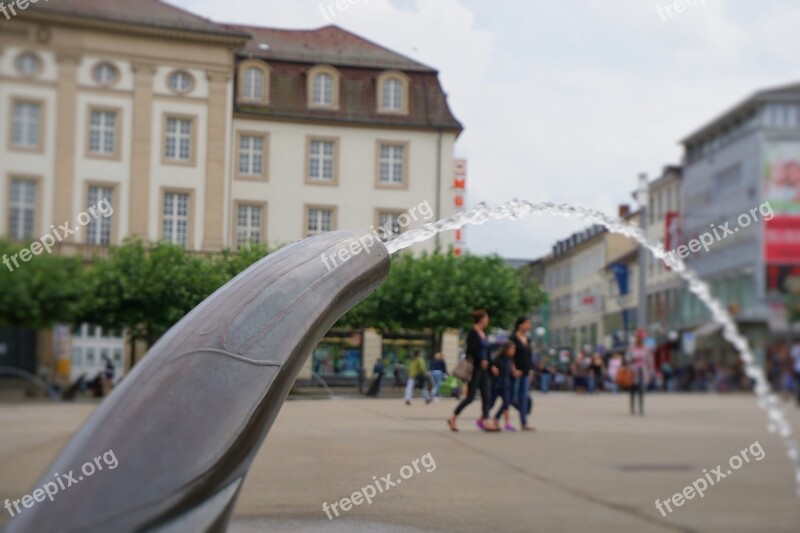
392, 94
323, 87
254, 81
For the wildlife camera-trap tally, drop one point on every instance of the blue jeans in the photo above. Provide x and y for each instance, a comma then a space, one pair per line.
545, 382
438, 376
522, 387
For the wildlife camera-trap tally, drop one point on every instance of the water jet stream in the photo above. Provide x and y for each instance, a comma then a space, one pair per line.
517, 208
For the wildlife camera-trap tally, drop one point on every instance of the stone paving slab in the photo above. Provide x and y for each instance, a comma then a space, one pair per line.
589, 467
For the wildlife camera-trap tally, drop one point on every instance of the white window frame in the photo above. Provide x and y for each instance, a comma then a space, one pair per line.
393, 94
316, 216
253, 82
98, 230
323, 89
251, 159
105, 131
26, 125
173, 218
178, 140
321, 161
22, 210
249, 225
389, 162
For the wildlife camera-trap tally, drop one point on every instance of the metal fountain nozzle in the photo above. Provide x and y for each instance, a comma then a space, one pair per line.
186, 423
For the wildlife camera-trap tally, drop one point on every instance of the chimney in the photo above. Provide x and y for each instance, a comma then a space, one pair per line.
624, 210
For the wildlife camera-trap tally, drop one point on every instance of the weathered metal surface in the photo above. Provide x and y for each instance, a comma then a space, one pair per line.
185, 424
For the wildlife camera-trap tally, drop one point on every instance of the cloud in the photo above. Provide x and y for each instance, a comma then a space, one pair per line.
565, 101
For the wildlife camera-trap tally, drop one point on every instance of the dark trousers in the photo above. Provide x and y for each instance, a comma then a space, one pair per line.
505, 394
638, 388
480, 381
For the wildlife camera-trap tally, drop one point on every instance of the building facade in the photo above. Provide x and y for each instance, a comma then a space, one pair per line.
740, 172
209, 136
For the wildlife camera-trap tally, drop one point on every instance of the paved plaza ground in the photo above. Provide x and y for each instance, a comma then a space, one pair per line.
589, 467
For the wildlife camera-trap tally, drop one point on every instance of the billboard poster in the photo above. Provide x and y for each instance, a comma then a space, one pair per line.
781, 188
782, 178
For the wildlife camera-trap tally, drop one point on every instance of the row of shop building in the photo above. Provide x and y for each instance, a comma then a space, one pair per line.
731, 211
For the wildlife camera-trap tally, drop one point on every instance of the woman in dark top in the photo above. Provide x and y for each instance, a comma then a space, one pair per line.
523, 361
478, 353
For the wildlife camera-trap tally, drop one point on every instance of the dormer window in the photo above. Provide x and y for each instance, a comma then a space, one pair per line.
323, 87
392, 94
254, 81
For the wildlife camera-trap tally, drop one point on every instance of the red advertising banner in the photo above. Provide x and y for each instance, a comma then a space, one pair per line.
672, 232
782, 240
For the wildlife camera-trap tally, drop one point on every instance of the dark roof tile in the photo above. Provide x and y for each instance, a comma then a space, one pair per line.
153, 13
330, 45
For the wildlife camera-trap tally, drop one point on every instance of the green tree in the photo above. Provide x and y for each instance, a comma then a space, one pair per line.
437, 291
146, 290
40, 292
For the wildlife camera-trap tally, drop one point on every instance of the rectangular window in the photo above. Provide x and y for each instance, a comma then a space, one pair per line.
392, 164
388, 225
26, 130
248, 225
178, 140
322, 161
319, 220
103, 132
22, 211
175, 225
98, 231
251, 155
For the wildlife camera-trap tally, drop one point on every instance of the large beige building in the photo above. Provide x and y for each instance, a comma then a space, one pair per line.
577, 283
210, 136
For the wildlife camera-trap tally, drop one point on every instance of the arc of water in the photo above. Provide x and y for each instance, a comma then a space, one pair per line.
517, 208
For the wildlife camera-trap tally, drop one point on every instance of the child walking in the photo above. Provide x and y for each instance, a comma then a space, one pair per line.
502, 381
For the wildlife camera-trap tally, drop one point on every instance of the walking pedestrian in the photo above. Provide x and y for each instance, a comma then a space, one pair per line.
640, 359
438, 372
523, 364
503, 372
478, 353
417, 377
378, 372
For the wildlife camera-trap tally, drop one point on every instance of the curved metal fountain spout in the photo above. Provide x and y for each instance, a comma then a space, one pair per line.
186, 423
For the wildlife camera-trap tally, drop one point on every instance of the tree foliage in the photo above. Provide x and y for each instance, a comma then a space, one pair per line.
41, 291
438, 291
147, 289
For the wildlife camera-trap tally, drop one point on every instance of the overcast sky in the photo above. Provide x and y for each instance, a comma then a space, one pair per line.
565, 101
